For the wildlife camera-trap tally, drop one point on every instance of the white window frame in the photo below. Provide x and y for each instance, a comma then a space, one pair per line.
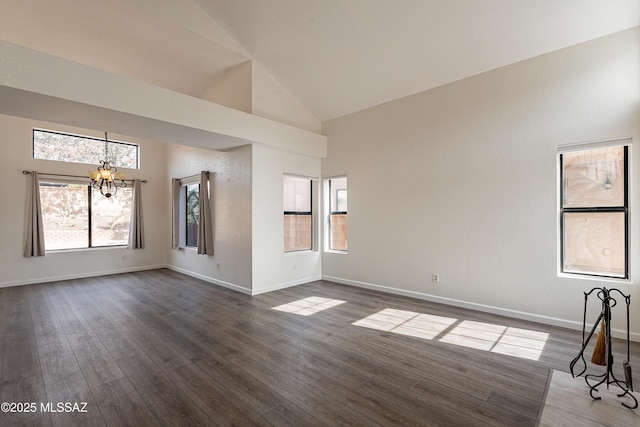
327, 214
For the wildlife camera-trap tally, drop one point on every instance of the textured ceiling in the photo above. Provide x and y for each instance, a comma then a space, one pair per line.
335, 56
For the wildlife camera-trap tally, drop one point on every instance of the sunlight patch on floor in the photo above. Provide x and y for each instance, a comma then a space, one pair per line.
500, 339
523, 343
308, 306
426, 326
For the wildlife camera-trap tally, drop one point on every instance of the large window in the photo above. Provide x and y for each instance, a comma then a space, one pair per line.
77, 216
594, 214
337, 213
298, 214
63, 147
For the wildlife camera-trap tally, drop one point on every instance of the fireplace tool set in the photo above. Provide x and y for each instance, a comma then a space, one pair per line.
602, 352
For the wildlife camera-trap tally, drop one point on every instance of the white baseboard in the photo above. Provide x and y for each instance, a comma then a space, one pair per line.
79, 276
547, 320
286, 285
211, 280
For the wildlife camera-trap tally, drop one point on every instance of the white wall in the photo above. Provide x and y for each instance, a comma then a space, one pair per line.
250, 88
270, 99
233, 90
230, 265
272, 268
461, 181
16, 155
43, 87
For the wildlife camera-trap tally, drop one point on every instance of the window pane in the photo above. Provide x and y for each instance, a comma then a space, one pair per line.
338, 214
193, 214
338, 194
78, 149
110, 218
297, 194
593, 178
298, 228
65, 215
338, 232
297, 232
594, 243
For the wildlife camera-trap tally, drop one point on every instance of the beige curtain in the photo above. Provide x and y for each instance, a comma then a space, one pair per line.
136, 227
34, 245
175, 213
205, 226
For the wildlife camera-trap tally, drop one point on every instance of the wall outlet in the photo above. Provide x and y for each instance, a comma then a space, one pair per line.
435, 278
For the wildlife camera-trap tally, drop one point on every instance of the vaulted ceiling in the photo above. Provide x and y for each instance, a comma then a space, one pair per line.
334, 56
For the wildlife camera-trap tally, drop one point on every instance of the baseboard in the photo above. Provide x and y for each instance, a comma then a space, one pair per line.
286, 285
79, 276
547, 320
211, 280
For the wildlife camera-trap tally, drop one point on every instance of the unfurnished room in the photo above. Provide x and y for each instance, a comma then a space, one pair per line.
319, 213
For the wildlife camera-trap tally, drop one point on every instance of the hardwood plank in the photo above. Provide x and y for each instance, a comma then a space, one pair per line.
20, 372
289, 414
97, 366
161, 348
121, 405
210, 397
156, 389
63, 379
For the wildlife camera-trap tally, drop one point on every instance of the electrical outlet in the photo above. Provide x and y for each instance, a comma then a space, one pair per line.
435, 278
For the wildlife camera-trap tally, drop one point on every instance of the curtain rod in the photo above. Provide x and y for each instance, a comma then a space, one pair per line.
26, 172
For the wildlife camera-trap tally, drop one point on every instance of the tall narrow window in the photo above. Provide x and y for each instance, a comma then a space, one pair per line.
594, 214
191, 214
337, 218
192, 217
298, 216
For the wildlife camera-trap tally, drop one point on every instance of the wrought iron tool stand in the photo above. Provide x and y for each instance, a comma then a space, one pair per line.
592, 380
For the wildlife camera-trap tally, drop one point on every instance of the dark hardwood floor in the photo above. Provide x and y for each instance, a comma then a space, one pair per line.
161, 348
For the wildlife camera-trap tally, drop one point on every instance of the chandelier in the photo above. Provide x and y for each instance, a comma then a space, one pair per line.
106, 178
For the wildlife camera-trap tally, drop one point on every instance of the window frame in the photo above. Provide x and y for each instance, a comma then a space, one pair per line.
110, 142
329, 212
310, 213
47, 182
185, 224
182, 213
625, 143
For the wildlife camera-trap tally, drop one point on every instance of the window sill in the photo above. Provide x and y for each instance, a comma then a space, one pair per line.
98, 248
334, 251
594, 278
